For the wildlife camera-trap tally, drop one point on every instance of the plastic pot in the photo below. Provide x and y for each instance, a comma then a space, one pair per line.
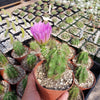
48, 94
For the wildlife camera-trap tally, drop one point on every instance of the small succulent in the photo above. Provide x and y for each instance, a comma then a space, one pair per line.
16, 11
56, 63
10, 96
32, 5
73, 93
38, 8
22, 13
69, 20
80, 24
82, 58
39, 2
54, 12
68, 12
54, 19
1, 89
11, 71
66, 5
46, 15
60, 9
18, 48
37, 19
30, 10
31, 60
65, 35
75, 41
73, 30
38, 13
24, 82
3, 60
24, 8
34, 46
62, 25
61, 15
45, 8
30, 16
90, 47
81, 74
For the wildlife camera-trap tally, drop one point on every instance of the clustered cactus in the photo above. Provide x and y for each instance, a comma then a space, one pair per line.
10, 96
11, 71
31, 60
18, 48
81, 74
3, 60
61, 15
75, 41
24, 82
83, 58
73, 93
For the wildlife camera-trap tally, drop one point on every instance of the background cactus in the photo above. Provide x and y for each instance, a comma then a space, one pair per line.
81, 74
75, 41
3, 60
83, 58
69, 20
1, 89
31, 60
80, 24
18, 48
11, 71
10, 96
73, 93
24, 82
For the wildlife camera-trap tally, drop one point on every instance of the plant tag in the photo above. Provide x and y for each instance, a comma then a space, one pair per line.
97, 36
49, 9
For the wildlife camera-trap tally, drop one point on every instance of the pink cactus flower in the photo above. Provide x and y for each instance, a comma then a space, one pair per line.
41, 32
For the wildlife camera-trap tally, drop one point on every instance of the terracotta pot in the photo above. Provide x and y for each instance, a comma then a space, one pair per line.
48, 94
92, 62
20, 58
82, 88
2, 74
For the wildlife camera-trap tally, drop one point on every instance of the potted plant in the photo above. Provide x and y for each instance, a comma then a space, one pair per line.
21, 86
12, 73
4, 87
84, 78
58, 3
16, 12
29, 62
46, 15
74, 8
22, 14
55, 20
75, 93
80, 24
33, 5
38, 13
29, 17
38, 19
19, 51
69, 20
83, 59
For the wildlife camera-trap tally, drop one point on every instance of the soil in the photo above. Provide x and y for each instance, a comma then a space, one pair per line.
63, 83
25, 53
88, 65
89, 81
15, 80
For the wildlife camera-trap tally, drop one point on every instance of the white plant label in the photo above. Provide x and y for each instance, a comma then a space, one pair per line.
49, 9
97, 36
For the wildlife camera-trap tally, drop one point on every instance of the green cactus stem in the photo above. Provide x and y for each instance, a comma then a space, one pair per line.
60, 9
31, 23
23, 7
81, 74
30, 16
37, 19
18, 48
23, 32
22, 13
24, 82
75, 41
38, 8
31, 10
65, 35
54, 12
16, 11
11, 71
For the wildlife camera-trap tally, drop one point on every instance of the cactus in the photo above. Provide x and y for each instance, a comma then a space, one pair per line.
60, 9
33, 5
16, 11
83, 58
75, 41
62, 25
8, 24
51, 43
24, 22
10, 96
0, 19
31, 10
69, 20
65, 35
39, 2
73, 93
38, 8
1, 89
38, 13
34, 45
22, 13
75, 16
62, 15
18, 48
54, 12
74, 8
56, 63
80, 24
58, 3
81, 74
54, 19
11, 71
30, 16
23, 32
6, 33
46, 8
31, 60
66, 5
73, 30
46, 14
13, 26
24, 82
11, 38
16, 19
23, 7
37, 19
68, 11
3, 60
31, 23
55, 30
